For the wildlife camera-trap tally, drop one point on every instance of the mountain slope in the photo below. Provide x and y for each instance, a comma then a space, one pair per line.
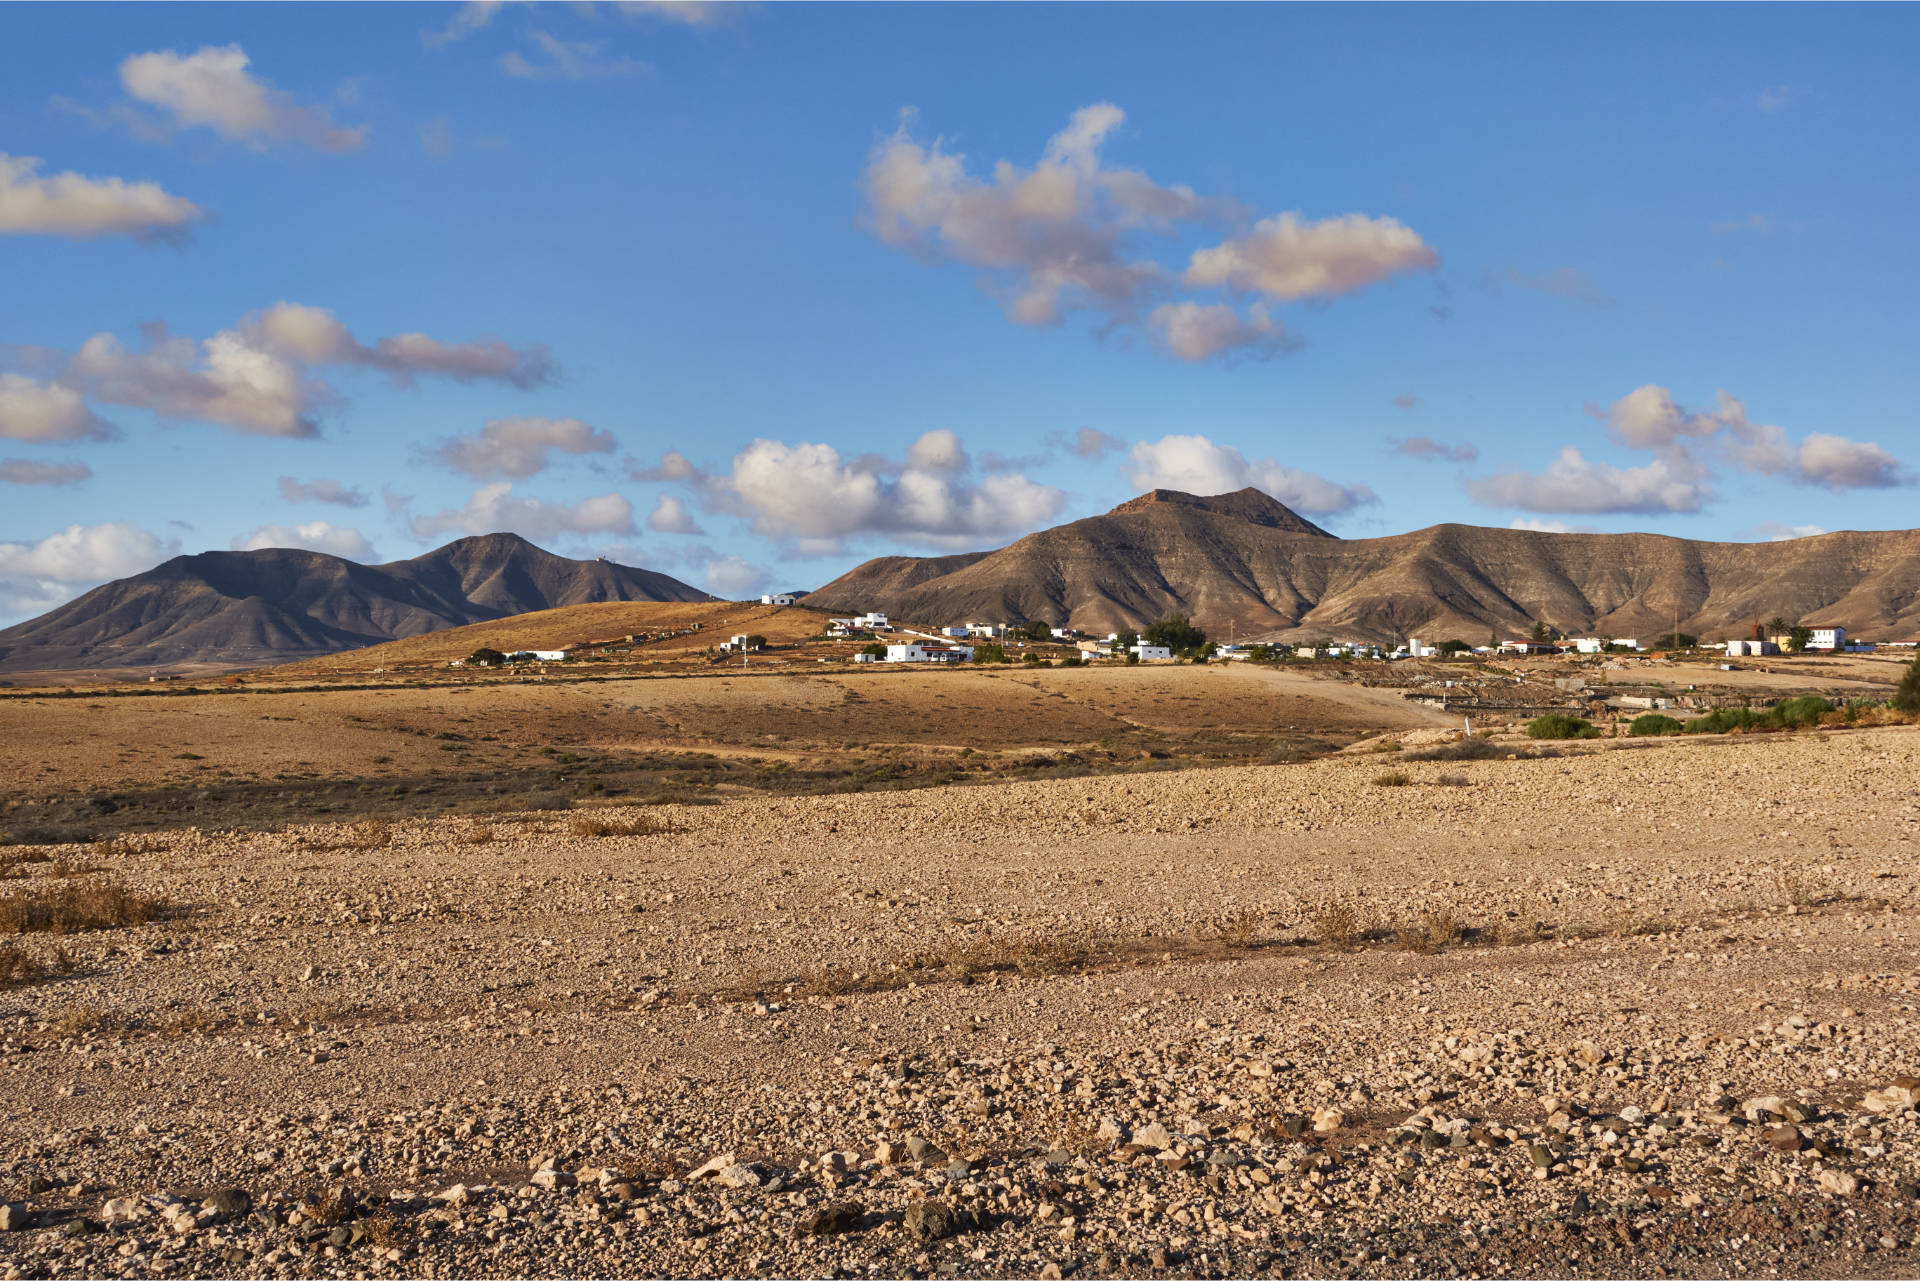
271, 606
1243, 562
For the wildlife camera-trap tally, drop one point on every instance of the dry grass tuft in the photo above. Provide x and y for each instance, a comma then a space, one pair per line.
1340, 924
21, 968
597, 825
1454, 780
79, 1020
1432, 930
1392, 778
127, 845
74, 906
475, 834
374, 834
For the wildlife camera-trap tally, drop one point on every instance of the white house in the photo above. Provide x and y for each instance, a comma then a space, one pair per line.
958, 633
777, 598
1751, 648
1418, 649
1828, 638
870, 621
1153, 653
987, 631
1589, 644
537, 656
921, 652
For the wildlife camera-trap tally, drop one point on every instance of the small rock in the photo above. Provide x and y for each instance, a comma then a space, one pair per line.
1542, 1156
1153, 1138
738, 1176
714, 1166
228, 1204
1783, 1138
1839, 1182
13, 1217
1327, 1120
552, 1179
930, 1220
834, 1219
890, 1152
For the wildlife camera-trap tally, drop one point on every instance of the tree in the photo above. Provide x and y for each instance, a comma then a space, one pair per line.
1447, 648
484, 657
1778, 626
876, 649
1675, 640
1033, 629
755, 641
1907, 697
1540, 636
1798, 638
1176, 632
1125, 639
991, 652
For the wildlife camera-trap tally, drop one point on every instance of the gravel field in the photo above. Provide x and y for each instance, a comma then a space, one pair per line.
1629, 1011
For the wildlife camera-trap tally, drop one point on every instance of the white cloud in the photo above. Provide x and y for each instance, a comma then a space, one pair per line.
314, 536
1836, 463
1775, 99
1772, 531
21, 471
338, 493
1286, 259
1086, 443
467, 19
493, 508
1574, 483
256, 377
1648, 418
1200, 331
692, 13
810, 493
670, 516
213, 88
1439, 450
32, 410
1538, 526
1561, 282
1195, 465
732, 578
82, 208
518, 447
86, 554
567, 60
22, 598
1757, 222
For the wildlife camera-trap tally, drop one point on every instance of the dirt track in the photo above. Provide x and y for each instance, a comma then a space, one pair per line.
1646, 962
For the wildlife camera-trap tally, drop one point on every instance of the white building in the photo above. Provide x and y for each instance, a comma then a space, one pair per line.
1751, 648
1153, 653
538, 656
777, 598
922, 652
1589, 644
958, 633
1416, 648
1828, 638
987, 631
870, 621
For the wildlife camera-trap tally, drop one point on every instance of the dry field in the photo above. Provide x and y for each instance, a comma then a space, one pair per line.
1627, 1009
257, 755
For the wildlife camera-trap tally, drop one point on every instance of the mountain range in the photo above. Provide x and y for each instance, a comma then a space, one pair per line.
1246, 565
280, 604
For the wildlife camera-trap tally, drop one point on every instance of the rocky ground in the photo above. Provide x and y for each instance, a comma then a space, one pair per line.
1627, 1011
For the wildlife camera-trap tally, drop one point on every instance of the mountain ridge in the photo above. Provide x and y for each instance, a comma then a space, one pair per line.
1234, 563
280, 604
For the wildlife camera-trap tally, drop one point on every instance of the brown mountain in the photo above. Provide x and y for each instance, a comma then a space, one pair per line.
271, 606
1244, 561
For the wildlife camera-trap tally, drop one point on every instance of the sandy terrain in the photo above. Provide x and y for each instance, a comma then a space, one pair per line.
1634, 1010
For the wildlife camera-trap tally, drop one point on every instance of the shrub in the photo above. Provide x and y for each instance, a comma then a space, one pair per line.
74, 906
1722, 719
19, 967
1465, 749
374, 834
1392, 778
1559, 725
874, 650
485, 657
1653, 724
1798, 712
991, 652
1907, 697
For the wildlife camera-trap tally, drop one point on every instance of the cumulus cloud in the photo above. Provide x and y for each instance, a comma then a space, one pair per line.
82, 208
256, 377
1195, 465
314, 536
21, 471
732, 578
493, 509
567, 60
470, 17
1574, 483
692, 13
86, 554
212, 88
1437, 450
1561, 282
670, 516
1649, 418
812, 494
518, 447
338, 493
1287, 259
32, 410
1200, 331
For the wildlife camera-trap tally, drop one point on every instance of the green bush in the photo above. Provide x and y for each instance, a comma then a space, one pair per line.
1795, 713
1907, 697
1559, 725
991, 652
1798, 712
1652, 725
1722, 719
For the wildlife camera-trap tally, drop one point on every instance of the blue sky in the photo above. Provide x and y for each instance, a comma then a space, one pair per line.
749, 294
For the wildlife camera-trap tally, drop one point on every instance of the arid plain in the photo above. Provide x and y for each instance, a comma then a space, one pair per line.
1100, 971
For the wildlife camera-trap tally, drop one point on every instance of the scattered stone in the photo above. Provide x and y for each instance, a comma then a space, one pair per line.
14, 1217
833, 1219
930, 1220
